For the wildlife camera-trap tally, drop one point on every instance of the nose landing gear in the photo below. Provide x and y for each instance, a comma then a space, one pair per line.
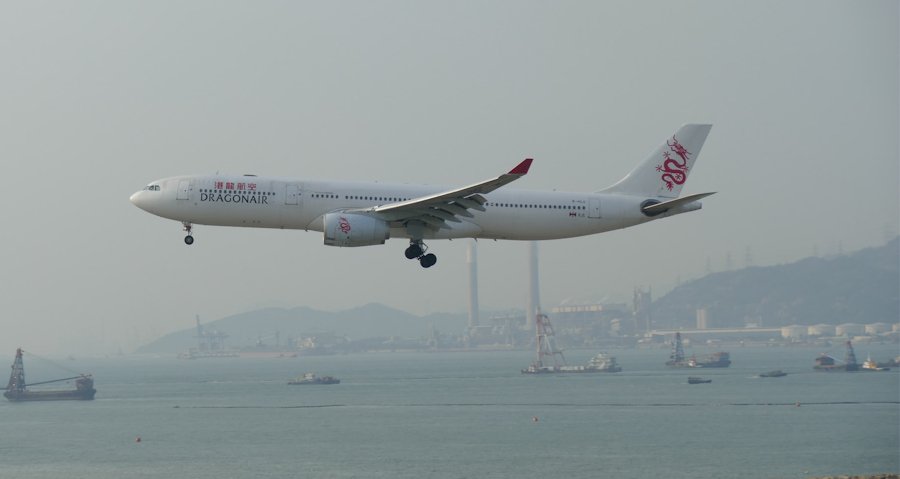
417, 250
189, 239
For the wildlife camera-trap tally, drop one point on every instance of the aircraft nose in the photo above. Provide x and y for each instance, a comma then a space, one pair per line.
135, 199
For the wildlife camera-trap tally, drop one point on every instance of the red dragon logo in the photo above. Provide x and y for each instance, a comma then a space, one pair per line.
674, 172
344, 225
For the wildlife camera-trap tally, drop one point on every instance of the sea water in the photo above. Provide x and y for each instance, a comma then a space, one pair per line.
460, 415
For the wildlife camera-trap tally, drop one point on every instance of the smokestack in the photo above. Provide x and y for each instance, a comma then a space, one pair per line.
472, 261
534, 293
702, 319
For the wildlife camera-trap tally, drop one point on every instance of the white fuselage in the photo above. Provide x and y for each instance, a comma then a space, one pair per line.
271, 202
351, 214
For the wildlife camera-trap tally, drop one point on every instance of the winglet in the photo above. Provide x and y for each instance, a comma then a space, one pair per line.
522, 167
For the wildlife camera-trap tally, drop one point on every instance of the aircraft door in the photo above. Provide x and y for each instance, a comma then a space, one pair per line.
292, 194
184, 189
594, 208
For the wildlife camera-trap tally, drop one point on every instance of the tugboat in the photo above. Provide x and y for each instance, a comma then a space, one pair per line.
17, 389
311, 378
870, 365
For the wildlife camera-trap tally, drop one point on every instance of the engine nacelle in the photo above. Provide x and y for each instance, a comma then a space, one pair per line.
348, 229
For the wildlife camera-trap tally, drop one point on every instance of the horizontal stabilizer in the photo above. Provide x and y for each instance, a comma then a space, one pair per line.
655, 209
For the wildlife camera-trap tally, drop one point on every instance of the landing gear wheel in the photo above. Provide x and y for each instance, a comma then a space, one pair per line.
428, 260
188, 240
414, 251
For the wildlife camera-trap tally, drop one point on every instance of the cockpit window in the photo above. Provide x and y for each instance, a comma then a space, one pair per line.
151, 188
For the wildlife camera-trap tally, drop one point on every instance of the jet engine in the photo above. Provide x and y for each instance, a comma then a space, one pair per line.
348, 229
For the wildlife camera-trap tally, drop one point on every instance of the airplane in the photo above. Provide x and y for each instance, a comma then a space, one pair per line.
364, 214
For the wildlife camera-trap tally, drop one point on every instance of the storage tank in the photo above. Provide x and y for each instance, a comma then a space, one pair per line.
793, 332
826, 330
849, 330
877, 328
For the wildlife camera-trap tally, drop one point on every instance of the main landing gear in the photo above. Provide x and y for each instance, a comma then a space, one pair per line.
188, 240
417, 250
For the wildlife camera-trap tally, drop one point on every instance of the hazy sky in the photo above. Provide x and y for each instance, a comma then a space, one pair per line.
98, 98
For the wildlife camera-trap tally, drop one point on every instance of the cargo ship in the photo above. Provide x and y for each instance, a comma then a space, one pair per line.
720, 359
17, 390
677, 359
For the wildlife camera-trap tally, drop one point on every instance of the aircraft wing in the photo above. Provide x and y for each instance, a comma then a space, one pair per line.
434, 211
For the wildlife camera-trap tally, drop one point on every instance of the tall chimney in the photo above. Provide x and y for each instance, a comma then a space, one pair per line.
472, 261
534, 293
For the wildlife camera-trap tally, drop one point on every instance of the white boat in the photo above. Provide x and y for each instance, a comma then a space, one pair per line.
603, 363
870, 365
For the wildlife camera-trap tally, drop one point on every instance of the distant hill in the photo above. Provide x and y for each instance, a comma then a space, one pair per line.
371, 320
862, 287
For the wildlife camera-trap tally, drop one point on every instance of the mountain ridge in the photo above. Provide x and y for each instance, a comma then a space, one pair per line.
370, 320
860, 287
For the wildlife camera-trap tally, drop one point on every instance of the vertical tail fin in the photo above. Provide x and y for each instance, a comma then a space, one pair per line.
664, 172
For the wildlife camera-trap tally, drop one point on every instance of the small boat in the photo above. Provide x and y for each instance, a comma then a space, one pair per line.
696, 380
311, 378
773, 374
